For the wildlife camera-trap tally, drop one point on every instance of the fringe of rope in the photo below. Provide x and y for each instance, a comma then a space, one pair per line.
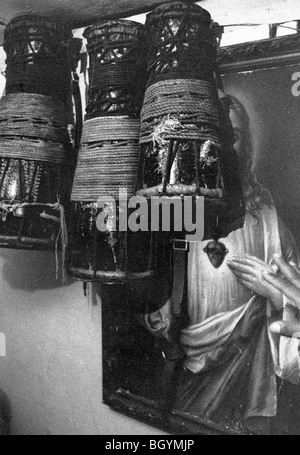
165, 128
11, 207
189, 132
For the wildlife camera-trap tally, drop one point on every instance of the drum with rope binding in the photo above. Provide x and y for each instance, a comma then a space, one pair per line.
108, 165
37, 158
36, 166
106, 172
186, 142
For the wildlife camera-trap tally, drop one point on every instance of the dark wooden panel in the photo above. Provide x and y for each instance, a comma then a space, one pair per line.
78, 12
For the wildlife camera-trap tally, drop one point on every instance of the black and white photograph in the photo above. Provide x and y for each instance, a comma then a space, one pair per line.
149, 220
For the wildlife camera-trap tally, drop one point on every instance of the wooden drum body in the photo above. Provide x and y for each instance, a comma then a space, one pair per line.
111, 256
138, 261
185, 148
108, 162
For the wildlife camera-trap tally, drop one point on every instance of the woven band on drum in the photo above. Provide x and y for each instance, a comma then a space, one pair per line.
181, 96
33, 116
192, 102
35, 150
108, 158
33, 127
110, 129
118, 75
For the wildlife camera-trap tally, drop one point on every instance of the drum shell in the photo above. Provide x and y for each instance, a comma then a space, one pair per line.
113, 257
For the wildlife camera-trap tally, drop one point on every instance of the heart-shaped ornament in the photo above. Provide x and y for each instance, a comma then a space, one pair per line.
216, 252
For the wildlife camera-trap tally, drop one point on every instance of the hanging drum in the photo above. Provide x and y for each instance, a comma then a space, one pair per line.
185, 150
35, 171
117, 72
37, 57
108, 163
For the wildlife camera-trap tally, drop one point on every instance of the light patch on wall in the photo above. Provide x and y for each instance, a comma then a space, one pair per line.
138, 18
2, 345
243, 34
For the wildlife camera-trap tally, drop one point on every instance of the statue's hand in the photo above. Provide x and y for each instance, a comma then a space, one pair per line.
249, 271
289, 285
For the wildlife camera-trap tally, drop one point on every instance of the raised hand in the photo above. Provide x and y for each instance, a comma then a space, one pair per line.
290, 284
249, 270
290, 287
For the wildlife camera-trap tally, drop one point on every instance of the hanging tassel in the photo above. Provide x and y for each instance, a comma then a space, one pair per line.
168, 125
11, 207
62, 236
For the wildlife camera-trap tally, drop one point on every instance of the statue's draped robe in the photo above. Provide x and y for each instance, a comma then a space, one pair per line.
232, 359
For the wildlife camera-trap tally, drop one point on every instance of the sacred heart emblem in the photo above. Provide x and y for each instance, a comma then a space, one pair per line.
216, 252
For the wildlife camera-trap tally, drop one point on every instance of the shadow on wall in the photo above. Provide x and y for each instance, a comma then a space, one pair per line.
5, 414
31, 270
